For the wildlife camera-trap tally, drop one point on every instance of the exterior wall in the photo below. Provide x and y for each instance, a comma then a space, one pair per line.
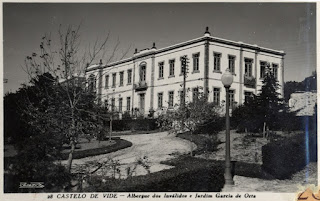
215, 76
117, 91
205, 77
174, 83
272, 59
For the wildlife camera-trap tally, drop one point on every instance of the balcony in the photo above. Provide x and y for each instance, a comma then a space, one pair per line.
249, 81
140, 86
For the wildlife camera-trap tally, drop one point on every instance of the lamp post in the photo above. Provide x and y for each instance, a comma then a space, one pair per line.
227, 79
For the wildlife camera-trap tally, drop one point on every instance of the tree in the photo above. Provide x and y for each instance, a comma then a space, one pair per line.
308, 84
72, 107
38, 141
291, 87
264, 111
269, 103
246, 117
198, 116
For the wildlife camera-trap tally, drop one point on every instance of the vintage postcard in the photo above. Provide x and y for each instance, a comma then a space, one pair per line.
159, 100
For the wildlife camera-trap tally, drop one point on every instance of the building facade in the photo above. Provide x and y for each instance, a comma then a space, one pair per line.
152, 79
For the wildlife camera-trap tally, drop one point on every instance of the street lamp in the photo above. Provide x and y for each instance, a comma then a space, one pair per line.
227, 79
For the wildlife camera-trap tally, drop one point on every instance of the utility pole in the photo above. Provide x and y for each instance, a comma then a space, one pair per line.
110, 126
184, 63
111, 114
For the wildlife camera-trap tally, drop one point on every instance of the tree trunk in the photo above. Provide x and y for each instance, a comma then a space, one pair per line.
268, 132
264, 129
191, 146
72, 143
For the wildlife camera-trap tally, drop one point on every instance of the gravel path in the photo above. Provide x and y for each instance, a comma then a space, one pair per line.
305, 177
149, 148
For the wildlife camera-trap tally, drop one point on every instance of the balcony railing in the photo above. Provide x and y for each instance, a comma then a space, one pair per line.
141, 86
249, 81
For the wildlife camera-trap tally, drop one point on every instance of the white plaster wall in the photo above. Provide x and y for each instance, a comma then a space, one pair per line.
175, 83
193, 79
117, 91
271, 59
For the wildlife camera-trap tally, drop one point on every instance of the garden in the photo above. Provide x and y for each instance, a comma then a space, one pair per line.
52, 125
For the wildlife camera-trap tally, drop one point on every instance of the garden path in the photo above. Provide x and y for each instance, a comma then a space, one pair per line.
149, 149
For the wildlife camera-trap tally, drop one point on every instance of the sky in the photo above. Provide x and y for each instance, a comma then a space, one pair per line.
290, 27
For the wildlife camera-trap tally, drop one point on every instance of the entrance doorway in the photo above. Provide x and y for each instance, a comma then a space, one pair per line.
142, 104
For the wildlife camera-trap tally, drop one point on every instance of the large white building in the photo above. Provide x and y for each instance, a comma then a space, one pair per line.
152, 78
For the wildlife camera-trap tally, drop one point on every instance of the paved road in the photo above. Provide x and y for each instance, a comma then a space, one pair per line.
151, 148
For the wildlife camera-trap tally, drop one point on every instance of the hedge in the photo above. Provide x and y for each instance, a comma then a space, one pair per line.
120, 144
205, 143
189, 175
285, 157
133, 124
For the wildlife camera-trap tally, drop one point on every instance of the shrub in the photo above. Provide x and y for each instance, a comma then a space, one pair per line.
120, 144
54, 176
285, 157
189, 175
198, 116
211, 126
133, 124
204, 143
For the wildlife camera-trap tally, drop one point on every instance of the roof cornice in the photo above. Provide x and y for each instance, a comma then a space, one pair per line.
153, 51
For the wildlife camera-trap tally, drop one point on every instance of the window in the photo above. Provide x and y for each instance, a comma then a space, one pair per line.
121, 78
128, 103
248, 67
263, 68
106, 82
171, 94
216, 96
195, 58
231, 98
120, 104
275, 70
143, 73
216, 61
247, 95
113, 104
161, 64
114, 79
171, 66
160, 100
129, 76
232, 63
92, 83
195, 93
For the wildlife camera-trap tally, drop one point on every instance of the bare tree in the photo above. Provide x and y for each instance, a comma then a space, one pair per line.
67, 60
